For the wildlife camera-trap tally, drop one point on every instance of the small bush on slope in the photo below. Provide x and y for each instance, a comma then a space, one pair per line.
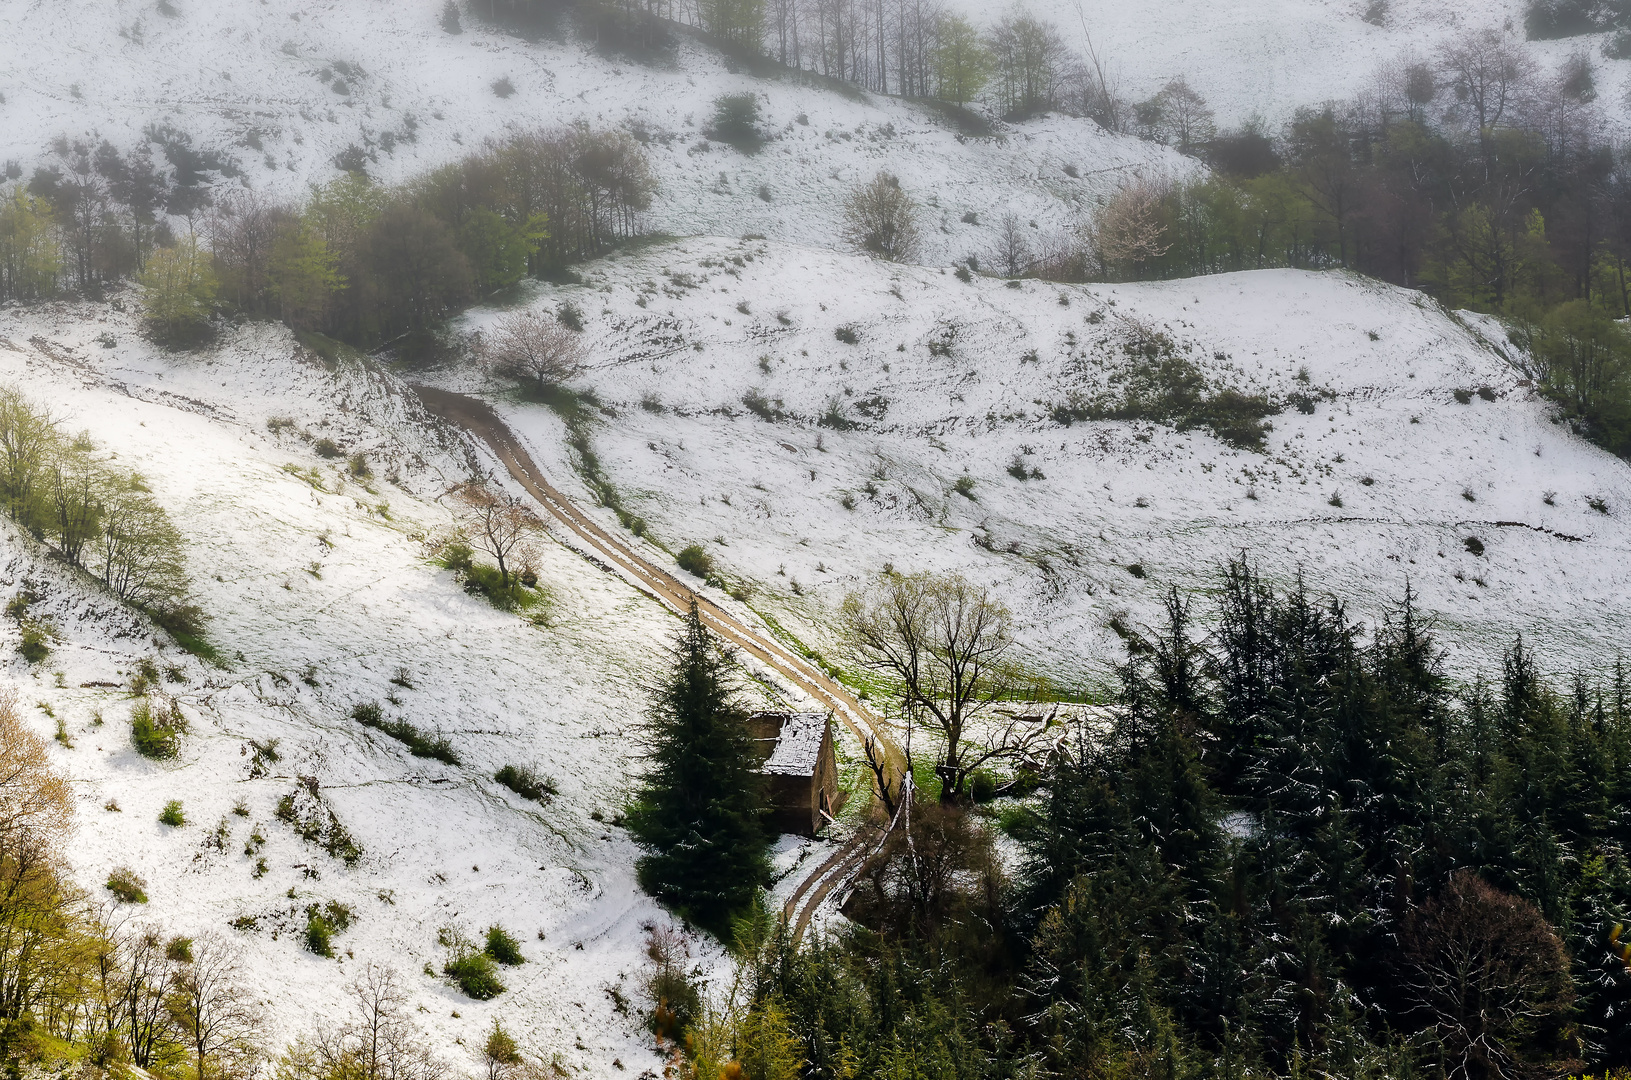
694, 560
503, 947
469, 968
309, 816
369, 714
1164, 386
526, 782
127, 886
156, 733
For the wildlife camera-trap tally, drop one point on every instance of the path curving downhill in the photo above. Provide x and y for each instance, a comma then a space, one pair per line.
478, 419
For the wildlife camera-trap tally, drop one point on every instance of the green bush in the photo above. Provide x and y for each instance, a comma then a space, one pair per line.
319, 934
475, 974
127, 886
965, 486
693, 560
736, 118
327, 448
155, 734
33, 647
501, 946
172, 815
1164, 386
526, 782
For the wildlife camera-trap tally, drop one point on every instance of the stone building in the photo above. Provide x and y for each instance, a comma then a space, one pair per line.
798, 758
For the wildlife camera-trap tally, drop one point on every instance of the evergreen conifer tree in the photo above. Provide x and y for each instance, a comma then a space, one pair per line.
700, 813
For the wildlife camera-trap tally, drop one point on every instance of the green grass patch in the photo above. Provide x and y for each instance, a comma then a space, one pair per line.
419, 744
475, 974
127, 886
503, 947
155, 733
527, 783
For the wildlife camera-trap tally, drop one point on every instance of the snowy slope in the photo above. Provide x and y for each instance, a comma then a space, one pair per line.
317, 599
1267, 58
1416, 471
236, 75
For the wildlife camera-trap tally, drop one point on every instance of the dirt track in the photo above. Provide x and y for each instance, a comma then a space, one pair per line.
478, 418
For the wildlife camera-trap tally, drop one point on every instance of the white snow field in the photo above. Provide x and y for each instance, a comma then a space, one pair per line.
318, 597
948, 379
256, 80
1267, 58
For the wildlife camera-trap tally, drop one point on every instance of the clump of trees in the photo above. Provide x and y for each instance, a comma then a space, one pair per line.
1296, 845
101, 520
1472, 176
80, 986
368, 264
358, 261
700, 810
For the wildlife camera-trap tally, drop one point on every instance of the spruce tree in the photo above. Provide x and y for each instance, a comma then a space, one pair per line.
700, 813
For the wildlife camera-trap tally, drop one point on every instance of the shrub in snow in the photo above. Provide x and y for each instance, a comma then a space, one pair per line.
675, 1001
469, 968
570, 316
304, 811
172, 814
503, 947
156, 733
32, 647
880, 218
127, 886
419, 744
526, 782
736, 119
694, 560
534, 347
319, 934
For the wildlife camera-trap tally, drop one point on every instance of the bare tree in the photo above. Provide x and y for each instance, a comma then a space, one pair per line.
1490, 980
377, 1042
1185, 119
943, 638
529, 345
149, 976
1127, 229
879, 217
214, 1011
497, 521
1488, 75
1012, 253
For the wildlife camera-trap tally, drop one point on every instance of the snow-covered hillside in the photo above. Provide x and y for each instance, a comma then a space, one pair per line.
1267, 58
1385, 481
320, 595
258, 80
